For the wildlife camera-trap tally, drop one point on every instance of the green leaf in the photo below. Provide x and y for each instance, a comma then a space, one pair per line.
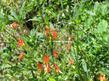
84, 65
106, 37
13, 13
11, 17
51, 79
104, 9
102, 26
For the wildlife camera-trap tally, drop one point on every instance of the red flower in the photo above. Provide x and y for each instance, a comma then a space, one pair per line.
12, 80
40, 66
47, 31
20, 42
47, 68
57, 69
71, 61
54, 34
14, 25
55, 54
21, 56
46, 59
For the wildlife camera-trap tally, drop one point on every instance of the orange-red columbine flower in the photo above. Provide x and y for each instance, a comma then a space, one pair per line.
54, 34
46, 59
47, 68
21, 56
20, 42
71, 61
12, 80
14, 25
47, 31
57, 69
102, 77
55, 53
40, 66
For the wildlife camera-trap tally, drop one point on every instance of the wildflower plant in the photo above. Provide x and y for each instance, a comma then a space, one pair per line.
49, 40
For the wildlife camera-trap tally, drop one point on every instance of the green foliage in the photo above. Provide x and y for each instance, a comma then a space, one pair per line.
84, 21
